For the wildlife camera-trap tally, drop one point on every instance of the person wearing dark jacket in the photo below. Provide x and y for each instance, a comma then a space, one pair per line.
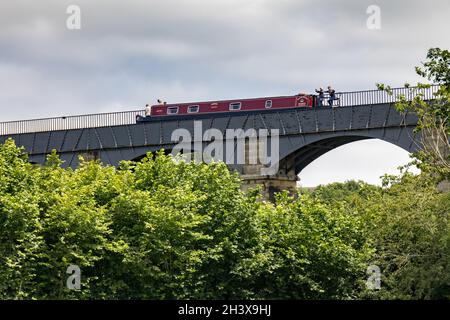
331, 95
320, 96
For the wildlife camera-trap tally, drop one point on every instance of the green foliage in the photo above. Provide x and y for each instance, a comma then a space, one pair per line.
407, 227
412, 237
436, 68
167, 229
312, 251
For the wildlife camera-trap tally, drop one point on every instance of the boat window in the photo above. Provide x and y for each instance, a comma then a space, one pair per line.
193, 109
268, 104
172, 110
235, 106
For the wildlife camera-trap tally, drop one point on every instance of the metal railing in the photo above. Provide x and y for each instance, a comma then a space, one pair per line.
343, 99
70, 122
368, 97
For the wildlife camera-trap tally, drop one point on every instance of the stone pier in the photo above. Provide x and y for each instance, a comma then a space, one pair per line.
253, 176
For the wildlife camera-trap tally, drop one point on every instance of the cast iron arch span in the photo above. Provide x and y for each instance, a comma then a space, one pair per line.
299, 157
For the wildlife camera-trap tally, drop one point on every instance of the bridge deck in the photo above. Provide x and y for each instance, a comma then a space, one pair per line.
346, 99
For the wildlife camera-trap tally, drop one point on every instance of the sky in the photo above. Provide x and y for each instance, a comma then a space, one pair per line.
129, 53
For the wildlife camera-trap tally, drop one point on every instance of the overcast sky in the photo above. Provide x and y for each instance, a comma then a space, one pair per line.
128, 53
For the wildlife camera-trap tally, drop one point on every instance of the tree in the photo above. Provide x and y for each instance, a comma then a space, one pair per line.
166, 229
406, 228
433, 115
411, 234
